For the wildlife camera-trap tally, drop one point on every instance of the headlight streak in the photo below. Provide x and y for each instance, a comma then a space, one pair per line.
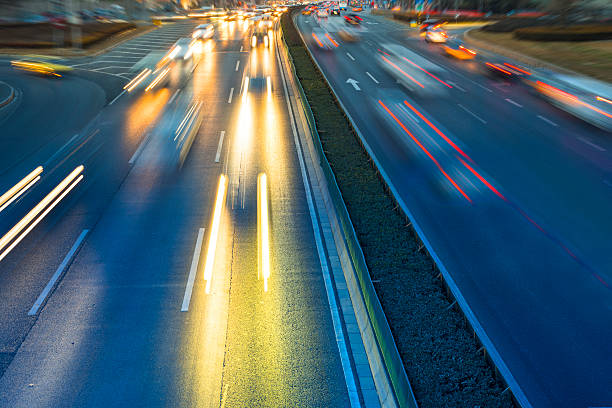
158, 79
184, 121
263, 230
245, 90
21, 187
39, 212
214, 231
269, 86
137, 80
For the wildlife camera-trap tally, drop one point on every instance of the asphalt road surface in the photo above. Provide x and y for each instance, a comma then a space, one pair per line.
122, 325
514, 196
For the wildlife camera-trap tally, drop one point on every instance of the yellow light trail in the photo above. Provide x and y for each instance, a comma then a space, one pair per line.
263, 229
21, 187
269, 82
246, 89
48, 203
157, 80
214, 231
137, 80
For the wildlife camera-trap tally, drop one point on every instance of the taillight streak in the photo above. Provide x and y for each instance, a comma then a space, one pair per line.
400, 70
426, 151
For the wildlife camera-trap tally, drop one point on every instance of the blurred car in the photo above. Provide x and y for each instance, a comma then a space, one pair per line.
335, 12
429, 24
506, 70
349, 34
323, 39
416, 73
437, 36
306, 12
203, 32
585, 98
41, 67
260, 36
357, 9
322, 13
459, 51
352, 19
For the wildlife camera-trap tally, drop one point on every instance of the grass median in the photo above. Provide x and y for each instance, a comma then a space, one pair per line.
442, 358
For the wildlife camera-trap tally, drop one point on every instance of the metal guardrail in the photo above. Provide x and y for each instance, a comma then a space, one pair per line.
394, 366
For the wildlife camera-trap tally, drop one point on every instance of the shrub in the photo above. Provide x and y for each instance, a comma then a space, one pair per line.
510, 24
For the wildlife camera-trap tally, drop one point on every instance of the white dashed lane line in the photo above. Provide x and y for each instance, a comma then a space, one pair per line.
472, 113
550, 122
513, 102
350, 56
593, 145
372, 78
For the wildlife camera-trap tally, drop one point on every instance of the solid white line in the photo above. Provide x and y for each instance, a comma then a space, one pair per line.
593, 145
371, 77
241, 48
472, 113
229, 100
193, 270
514, 103
117, 97
174, 96
140, 149
57, 274
550, 122
221, 136
237, 65
335, 314
350, 56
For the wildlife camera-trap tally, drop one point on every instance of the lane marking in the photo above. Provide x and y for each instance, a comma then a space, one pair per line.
220, 146
241, 48
193, 270
349, 377
593, 145
350, 56
550, 122
140, 149
513, 102
229, 100
472, 113
174, 96
117, 97
371, 77
58, 272
237, 65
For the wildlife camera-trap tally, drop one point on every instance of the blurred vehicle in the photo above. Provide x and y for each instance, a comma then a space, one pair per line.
349, 34
414, 72
437, 36
231, 16
352, 19
260, 36
335, 12
203, 32
459, 51
429, 24
357, 9
41, 67
585, 98
506, 70
306, 12
267, 21
323, 39
322, 13
343, 4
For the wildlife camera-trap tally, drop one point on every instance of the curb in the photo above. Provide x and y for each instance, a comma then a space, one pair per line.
9, 98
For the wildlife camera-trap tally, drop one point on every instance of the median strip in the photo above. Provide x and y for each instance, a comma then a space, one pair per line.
442, 358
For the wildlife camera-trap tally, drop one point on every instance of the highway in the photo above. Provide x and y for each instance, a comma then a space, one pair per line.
513, 195
157, 281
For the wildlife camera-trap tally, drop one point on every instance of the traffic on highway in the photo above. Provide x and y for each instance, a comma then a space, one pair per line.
168, 232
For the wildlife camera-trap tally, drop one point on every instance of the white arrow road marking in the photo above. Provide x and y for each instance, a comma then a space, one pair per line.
354, 83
